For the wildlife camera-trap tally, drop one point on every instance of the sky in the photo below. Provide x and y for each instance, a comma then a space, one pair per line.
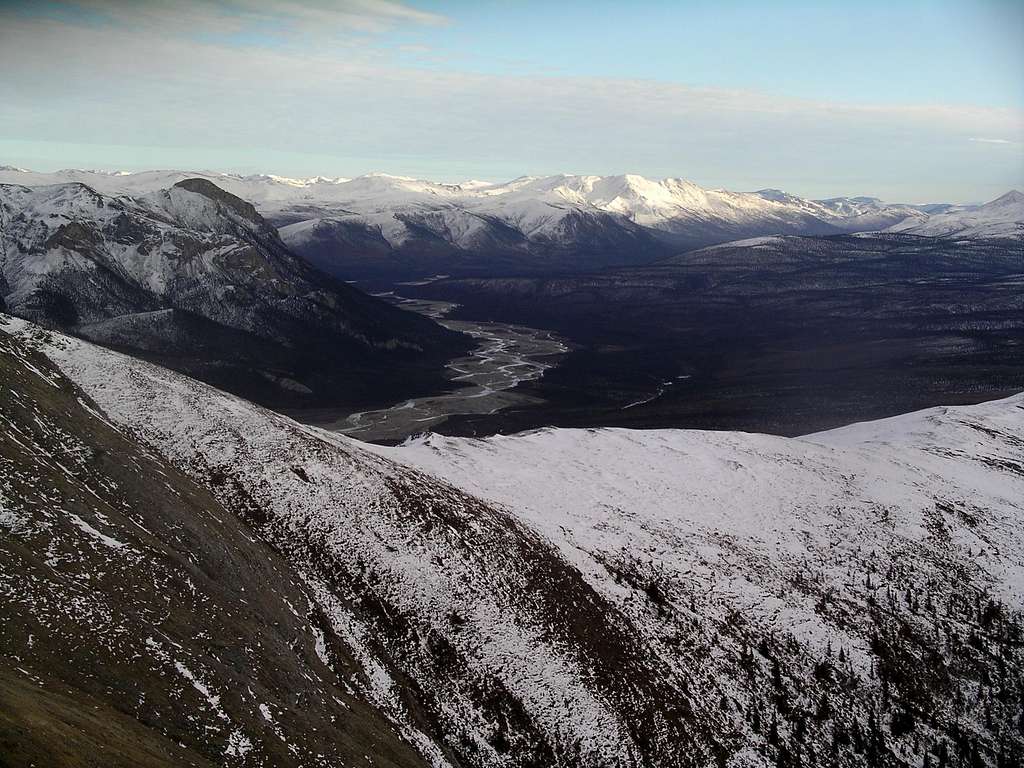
906, 100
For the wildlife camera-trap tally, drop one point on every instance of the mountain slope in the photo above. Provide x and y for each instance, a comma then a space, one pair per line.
194, 277
482, 644
636, 598
141, 622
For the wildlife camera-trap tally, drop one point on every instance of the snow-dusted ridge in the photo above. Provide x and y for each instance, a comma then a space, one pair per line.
607, 596
1000, 218
658, 203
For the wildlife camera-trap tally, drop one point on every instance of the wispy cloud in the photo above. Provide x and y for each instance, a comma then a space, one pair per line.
313, 18
991, 141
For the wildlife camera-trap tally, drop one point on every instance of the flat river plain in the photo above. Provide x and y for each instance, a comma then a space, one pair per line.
506, 356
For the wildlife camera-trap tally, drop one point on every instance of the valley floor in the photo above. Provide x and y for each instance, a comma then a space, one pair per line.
487, 380
788, 337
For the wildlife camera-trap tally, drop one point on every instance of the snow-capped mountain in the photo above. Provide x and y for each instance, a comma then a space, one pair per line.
261, 189
1000, 218
396, 224
867, 214
194, 276
555, 598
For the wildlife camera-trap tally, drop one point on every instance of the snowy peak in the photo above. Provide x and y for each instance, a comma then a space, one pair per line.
212, 192
656, 203
775, 195
312, 180
193, 275
1013, 197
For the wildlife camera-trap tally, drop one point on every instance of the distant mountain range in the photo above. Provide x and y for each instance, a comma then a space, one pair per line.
195, 278
400, 227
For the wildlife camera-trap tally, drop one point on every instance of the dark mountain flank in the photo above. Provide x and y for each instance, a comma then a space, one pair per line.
194, 278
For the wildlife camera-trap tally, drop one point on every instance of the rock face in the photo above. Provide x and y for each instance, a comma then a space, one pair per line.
194, 277
558, 598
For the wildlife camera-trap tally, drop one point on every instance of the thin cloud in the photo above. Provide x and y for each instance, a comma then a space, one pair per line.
991, 141
313, 18
360, 98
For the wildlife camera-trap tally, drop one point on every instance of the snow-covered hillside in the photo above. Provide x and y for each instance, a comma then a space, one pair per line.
385, 222
737, 498
612, 597
895, 547
142, 624
1000, 218
48, 231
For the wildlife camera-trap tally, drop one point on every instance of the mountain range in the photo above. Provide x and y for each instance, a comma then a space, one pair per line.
400, 227
189, 579
252, 293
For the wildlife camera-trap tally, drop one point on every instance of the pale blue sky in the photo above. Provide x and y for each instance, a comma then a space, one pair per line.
916, 101
887, 51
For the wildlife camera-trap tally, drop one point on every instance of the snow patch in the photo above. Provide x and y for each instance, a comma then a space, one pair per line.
101, 537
